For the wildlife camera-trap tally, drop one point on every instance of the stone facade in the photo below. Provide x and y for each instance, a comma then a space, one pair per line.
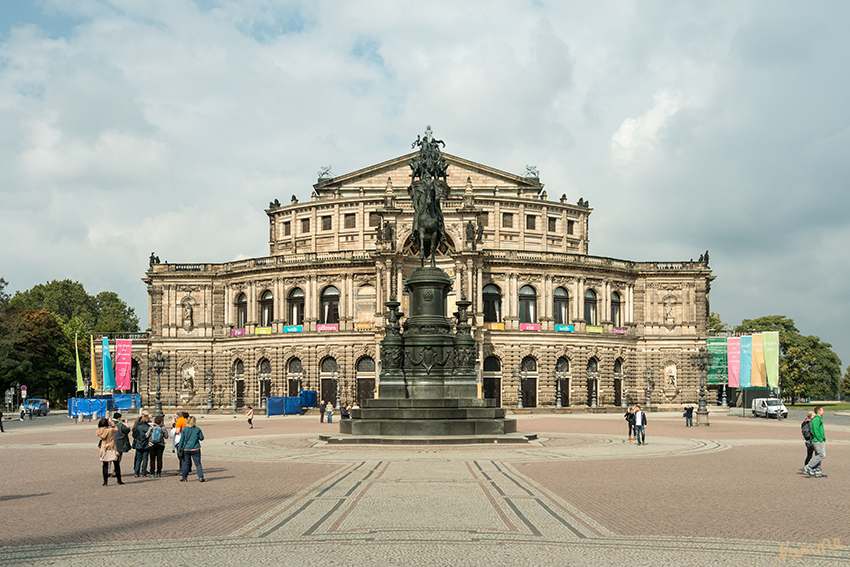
311, 315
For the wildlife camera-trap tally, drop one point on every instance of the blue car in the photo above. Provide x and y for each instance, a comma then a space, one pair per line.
38, 406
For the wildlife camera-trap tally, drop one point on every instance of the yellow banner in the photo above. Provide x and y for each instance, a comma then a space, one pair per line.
263, 331
93, 365
494, 326
759, 374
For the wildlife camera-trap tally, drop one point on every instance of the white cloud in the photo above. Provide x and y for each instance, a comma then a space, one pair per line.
638, 137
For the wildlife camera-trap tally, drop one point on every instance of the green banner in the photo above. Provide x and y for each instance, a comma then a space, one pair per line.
771, 357
717, 372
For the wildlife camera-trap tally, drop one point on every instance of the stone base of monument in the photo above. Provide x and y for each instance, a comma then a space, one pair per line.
422, 421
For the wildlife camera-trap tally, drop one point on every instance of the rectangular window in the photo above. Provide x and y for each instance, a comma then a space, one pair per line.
530, 222
483, 219
287, 228
326, 223
350, 220
305, 225
553, 224
571, 226
507, 220
374, 220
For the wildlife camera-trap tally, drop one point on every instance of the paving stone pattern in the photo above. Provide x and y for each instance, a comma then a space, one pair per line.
581, 494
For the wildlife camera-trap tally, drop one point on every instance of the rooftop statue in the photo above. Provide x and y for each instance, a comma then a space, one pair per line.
429, 181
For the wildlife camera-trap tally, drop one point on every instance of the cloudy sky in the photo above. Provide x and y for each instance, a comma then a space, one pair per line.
132, 126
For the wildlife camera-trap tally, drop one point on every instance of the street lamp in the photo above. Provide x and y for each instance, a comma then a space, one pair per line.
647, 376
336, 377
595, 377
701, 361
208, 376
624, 379
519, 389
159, 363
233, 396
557, 391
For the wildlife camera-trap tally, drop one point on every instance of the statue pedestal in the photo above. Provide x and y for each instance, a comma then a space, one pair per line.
428, 382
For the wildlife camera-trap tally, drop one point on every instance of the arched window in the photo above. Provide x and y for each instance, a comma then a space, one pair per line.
329, 365
266, 309
527, 304
296, 307
492, 304
561, 306
492, 364
241, 311
366, 364
295, 366
264, 368
528, 364
590, 307
563, 365
618, 367
364, 303
329, 313
238, 369
592, 365
615, 309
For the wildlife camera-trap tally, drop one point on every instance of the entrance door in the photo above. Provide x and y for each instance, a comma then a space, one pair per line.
365, 390
240, 393
265, 389
493, 390
591, 383
565, 391
328, 391
529, 393
293, 388
618, 392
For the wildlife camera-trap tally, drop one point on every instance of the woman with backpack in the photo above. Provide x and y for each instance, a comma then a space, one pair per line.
806, 428
140, 444
189, 448
157, 436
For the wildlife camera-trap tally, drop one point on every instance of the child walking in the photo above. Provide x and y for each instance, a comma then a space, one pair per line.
250, 416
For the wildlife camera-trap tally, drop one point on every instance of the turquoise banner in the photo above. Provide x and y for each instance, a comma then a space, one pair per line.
717, 371
746, 362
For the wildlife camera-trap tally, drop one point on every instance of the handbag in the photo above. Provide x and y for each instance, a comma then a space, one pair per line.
108, 455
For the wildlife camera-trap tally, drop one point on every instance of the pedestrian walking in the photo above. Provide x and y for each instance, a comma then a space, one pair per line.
190, 448
819, 444
250, 415
140, 444
322, 410
689, 416
806, 428
1, 422
157, 435
630, 419
108, 454
330, 412
640, 426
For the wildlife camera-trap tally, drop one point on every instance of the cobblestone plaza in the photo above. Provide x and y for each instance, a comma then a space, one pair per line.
729, 494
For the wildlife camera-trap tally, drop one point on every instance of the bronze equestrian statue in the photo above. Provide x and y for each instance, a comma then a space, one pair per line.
429, 167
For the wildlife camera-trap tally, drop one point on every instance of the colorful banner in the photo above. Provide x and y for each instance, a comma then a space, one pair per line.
593, 329
322, 327
263, 331
746, 361
621, 330
93, 365
80, 384
108, 371
293, 329
716, 372
237, 332
565, 328
494, 326
733, 360
771, 357
529, 326
364, 325
123, 363
759, 377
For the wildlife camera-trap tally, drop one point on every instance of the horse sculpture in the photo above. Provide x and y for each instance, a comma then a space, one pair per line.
428, 224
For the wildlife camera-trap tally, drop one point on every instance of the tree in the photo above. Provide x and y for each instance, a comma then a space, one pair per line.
781, 323
4, 297
845, 384
715, 323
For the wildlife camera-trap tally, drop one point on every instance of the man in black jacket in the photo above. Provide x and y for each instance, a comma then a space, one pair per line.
640, 425
122, 439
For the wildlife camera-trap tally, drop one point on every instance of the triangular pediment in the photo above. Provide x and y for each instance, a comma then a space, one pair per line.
374, 179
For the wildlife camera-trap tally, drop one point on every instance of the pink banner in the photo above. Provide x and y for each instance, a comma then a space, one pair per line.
733, 360
529, 326
123, 363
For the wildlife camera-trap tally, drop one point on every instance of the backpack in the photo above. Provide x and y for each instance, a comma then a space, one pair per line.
806, 427
156, 436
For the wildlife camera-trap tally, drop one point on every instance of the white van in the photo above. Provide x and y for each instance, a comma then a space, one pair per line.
769, 407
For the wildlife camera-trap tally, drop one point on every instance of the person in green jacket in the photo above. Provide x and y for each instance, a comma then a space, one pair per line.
819, 443
190, 448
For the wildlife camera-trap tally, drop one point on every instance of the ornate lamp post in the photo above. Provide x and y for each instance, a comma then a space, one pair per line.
647, 376
519, 389
558, 391
209, 375
233, 396
701, 361
159, 363
623, 388
336, 377
595, 377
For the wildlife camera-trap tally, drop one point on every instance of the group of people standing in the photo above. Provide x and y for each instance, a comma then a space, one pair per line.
637, 424
327, 409
149, 442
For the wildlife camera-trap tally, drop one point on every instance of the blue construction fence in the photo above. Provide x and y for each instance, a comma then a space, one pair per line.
102, 405
291, 405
